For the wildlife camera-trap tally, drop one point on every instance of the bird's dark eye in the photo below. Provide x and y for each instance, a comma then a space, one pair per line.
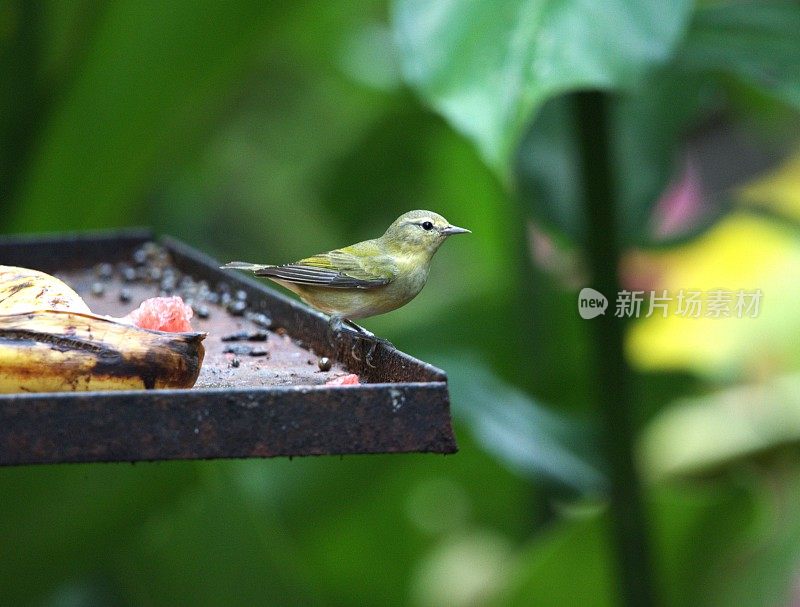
427, 225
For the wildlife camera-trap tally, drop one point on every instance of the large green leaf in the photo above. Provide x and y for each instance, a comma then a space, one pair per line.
755, 42
487, 66
527, 437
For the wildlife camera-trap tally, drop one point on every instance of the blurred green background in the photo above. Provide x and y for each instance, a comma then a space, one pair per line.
269, 131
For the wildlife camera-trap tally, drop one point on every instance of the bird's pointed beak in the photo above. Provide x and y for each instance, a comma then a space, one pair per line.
449, 230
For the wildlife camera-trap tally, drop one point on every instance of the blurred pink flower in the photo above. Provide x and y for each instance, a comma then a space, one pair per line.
681, 205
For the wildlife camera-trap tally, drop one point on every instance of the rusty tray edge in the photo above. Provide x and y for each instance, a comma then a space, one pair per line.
208, 424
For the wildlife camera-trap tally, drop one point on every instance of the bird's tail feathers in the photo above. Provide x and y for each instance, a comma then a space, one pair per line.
243, 265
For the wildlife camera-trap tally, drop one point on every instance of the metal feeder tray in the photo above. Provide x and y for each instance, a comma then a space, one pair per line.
271, 405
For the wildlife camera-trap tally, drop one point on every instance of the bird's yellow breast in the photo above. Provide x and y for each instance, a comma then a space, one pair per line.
362, 303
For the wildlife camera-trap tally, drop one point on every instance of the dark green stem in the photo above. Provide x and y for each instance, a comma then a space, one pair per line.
611, 373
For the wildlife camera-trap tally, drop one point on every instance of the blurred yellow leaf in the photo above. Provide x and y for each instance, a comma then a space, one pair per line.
741, 252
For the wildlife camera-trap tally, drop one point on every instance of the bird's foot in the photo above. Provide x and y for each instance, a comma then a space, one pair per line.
374, 346
362, 335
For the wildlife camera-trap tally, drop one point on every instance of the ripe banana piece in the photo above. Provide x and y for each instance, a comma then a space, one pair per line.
22, 290
44, 349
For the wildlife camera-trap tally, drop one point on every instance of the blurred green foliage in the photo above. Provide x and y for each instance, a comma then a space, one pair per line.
269, 131
487, 66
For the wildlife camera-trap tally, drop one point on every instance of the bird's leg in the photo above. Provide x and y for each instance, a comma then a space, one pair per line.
361, 334
334, 327
361, 331
369, 336
358, 332
337, 324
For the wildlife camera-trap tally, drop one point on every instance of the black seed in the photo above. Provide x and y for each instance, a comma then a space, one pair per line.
104, 271
257, 336
140, 257
324, 363
235, 363
128, 274
168, 284
260, 319
259, 352
98, 289
202, 311
238, 349
236, 336
125, 295
241, 295
237, 308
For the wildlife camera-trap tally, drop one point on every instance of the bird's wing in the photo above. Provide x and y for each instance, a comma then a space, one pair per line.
360, 266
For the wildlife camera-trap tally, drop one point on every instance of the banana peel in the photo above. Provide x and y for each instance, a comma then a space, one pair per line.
50, 341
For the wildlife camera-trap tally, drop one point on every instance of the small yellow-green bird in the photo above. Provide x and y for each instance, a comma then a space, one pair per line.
367, 278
